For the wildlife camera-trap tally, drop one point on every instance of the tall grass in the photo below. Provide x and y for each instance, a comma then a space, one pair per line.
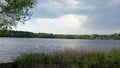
68, 59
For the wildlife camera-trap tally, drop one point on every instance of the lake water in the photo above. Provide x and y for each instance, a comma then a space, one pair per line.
10, 48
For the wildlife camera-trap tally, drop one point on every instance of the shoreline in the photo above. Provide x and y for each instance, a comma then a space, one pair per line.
67, 59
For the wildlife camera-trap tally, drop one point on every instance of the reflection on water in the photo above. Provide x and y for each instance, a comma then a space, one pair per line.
10, 48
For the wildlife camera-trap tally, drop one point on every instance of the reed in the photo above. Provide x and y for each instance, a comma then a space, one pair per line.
67, 59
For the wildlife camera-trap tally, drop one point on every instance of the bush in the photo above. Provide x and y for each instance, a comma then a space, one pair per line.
68, 59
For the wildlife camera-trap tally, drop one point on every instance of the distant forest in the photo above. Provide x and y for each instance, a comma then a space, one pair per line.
25, 34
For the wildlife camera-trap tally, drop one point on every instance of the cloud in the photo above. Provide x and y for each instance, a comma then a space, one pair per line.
28, 26
65, 5
70, 23
75, 17
51, 6
71, 4
114, 2
63, 24
56, 6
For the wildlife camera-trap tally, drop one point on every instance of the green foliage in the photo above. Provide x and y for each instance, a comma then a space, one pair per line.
114, 57
68, 59
88, 60
94, 60
14, 11
10, 33
28, 59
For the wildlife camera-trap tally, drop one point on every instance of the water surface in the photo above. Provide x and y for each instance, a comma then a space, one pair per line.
10, 48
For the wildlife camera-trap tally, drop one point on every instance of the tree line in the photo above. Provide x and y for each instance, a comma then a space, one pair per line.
25, 34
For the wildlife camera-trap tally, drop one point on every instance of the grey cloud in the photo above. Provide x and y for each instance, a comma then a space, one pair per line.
103, 18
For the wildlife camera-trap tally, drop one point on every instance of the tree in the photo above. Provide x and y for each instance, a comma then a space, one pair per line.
13, 12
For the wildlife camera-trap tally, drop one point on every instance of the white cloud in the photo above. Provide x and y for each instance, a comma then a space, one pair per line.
71, 2
68, 24
28, 26
70, 21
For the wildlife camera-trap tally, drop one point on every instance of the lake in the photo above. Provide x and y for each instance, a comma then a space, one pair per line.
10, 48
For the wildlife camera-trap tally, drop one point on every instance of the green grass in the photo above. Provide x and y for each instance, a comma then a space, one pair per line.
67, 59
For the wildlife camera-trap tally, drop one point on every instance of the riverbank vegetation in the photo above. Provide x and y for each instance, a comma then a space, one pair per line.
25, 34
67, 59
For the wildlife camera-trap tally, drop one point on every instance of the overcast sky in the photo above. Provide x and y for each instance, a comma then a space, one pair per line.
74, 17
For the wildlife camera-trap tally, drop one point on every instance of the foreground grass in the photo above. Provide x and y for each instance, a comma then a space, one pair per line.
67, 59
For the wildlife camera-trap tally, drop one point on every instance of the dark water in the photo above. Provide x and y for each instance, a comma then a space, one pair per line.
10, 48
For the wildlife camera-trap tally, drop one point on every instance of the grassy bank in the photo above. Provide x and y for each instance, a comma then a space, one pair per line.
67, 59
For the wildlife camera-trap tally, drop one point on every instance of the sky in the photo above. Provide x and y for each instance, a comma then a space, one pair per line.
74, 17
